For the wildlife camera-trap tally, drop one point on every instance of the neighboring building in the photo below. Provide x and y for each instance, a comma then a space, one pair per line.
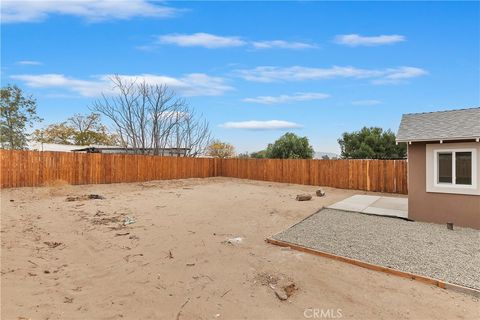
168, 152
39, 146
443, 166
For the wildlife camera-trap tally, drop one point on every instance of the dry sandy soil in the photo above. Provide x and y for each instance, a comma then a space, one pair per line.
75, 259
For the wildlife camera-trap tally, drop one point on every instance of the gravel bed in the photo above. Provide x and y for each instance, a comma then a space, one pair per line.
422, 248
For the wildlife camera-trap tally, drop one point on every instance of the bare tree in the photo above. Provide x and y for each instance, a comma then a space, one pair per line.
150, 117
192, 132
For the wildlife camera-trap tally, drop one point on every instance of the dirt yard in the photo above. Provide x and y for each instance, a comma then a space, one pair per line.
161, 250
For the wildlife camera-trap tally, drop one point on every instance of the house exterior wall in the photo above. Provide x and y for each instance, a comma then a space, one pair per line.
462, 210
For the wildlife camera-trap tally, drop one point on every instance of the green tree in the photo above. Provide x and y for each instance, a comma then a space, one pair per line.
80, 130
259, 154
371, 143
219, 149
290, 146
59, 133
17, 113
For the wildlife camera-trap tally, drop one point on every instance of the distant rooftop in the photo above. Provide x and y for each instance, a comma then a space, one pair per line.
40, 146
130, 150
441, 125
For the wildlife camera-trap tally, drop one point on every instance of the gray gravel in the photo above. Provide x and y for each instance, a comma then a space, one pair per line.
422, 248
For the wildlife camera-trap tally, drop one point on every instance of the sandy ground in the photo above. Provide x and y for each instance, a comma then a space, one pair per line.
75, 260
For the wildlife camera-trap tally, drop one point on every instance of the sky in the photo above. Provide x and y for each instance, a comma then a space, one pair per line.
255, 70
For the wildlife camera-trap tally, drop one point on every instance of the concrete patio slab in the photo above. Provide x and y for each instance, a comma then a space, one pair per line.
386, 212
391, 203
355, 203
382, 206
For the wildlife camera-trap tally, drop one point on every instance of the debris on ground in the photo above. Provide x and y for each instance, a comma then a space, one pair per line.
267, 279
52, 244
183, 305
282, 285
303, 197
190, 264
128, 220
96, 196
36, 265
290, 289
122, 234
68, 300
129, 256
170, 255
85, 197
320, 193
285, 292
99, 213
281, 294
233, 241
106, 220
225, 293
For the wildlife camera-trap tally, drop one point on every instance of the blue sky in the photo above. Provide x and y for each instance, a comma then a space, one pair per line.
254, 69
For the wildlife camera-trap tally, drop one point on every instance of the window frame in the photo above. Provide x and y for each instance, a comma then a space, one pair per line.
453, 151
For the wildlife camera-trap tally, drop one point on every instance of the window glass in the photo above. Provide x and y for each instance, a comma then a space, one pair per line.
463, 168
444, 167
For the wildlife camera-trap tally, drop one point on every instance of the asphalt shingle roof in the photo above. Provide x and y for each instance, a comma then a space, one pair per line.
441, 125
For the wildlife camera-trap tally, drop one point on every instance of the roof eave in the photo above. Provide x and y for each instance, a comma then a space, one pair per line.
477, 139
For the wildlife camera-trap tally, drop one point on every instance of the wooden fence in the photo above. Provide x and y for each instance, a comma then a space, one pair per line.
371, 175
33, 168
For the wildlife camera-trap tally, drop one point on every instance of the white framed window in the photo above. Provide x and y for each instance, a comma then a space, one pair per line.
455, 168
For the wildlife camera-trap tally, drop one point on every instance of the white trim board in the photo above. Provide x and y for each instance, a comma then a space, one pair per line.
431, 169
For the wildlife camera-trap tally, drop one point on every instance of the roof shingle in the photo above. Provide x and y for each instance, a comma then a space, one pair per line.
440, 125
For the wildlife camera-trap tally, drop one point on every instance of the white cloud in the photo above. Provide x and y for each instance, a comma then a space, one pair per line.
297, 97
212, 41
261, 125
205, 40
15, 11
354, 40
194, 84
29, 63
299, 73
282, 44
86, 88
400, 75
366, 102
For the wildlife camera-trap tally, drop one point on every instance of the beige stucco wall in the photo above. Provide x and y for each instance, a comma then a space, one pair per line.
462, 210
